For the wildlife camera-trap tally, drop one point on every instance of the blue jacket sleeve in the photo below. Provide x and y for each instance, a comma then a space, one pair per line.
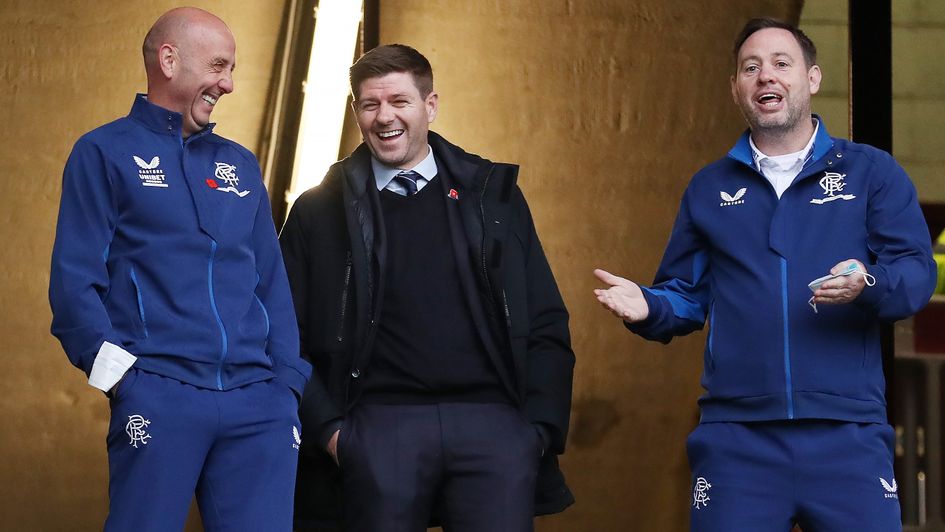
78, 276
899, 240
680, 295
273, 290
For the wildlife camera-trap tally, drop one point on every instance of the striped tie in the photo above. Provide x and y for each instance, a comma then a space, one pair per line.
408, 179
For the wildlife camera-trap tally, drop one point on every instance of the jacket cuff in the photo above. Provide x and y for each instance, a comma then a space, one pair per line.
654, 306
111, 364
871, 296
294, 377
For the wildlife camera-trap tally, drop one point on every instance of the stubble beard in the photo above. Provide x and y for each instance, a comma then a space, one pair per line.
774, 125
390, 159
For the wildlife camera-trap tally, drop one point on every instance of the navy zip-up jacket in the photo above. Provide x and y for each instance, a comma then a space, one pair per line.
166, 248
742, 258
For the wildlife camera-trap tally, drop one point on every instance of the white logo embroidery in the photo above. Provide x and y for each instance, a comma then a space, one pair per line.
891, 491
147, 166
149, 173
700, 493
227, 173
832, 182
297, 437
732, 200
137, 430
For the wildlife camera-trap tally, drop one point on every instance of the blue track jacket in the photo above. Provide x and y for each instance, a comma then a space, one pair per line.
166, 247
742, 258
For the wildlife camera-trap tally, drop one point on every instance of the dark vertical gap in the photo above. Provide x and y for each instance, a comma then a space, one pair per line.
371, 25
871, 109
910, 381
871, 72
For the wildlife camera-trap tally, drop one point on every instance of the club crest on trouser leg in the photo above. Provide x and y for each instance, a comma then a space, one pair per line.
700, 493
137, 430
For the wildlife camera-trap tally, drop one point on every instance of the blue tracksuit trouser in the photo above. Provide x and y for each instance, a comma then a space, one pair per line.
236, 449
826, 476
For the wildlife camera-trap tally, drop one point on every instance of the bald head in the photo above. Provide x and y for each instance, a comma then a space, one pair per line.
178, 27
189, 56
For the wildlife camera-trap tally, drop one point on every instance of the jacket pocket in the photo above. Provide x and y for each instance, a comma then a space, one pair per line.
126, 383
141, 315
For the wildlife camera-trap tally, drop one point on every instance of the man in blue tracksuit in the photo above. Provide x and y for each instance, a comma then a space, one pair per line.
168, 289
793, 426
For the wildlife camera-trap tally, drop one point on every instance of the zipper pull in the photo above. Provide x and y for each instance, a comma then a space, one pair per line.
505, 308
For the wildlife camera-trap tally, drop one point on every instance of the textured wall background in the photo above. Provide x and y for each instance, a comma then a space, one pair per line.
608, 105
918, 86
826, 23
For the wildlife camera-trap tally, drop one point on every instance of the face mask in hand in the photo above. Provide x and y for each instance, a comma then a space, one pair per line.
851, 269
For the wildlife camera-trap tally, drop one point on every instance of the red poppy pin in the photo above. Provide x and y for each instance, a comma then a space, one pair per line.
212, 183
453, 194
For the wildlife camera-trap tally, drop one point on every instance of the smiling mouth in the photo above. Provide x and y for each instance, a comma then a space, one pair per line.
386, 135
769, 99
209, 99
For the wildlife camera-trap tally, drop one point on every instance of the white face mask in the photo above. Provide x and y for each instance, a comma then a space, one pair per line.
851, 269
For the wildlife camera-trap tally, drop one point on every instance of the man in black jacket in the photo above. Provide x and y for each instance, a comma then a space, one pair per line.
435, 326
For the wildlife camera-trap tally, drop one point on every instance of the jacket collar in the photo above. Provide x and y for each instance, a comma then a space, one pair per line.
357, 168
161, 120
742, 151
465, 168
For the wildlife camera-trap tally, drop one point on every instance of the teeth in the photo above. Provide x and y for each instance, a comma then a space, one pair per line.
389, 134
209, 99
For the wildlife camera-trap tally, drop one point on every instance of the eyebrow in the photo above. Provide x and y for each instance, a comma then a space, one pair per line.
220, 60
758, 58
392, 97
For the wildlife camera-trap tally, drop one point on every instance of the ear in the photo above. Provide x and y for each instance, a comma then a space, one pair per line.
168, 60
813, 77
734, 86
431, 102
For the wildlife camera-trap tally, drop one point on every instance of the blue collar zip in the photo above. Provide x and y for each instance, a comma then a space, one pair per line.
161, 120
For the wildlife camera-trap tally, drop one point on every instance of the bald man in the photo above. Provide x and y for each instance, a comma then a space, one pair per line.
168, 290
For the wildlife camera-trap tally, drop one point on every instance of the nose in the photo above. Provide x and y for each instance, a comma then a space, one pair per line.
226, 83
385, 113
765, 75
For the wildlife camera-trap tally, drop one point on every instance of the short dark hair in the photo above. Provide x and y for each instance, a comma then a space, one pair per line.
388, 59
756, 24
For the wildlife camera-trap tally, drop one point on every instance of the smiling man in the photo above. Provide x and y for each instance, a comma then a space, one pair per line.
441, 342
794, 247
168, 289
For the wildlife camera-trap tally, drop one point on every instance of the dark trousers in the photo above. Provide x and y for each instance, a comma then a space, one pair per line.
472, 465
